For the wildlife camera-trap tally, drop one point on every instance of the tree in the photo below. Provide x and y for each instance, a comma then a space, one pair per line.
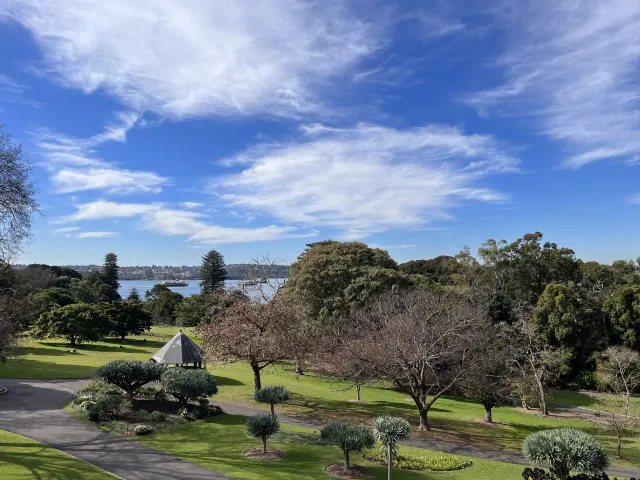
263, 426
17, 197
257, 333
610, 420
322, 273
191, 311
441, 269
110, 271
389, 431
187, 384
212, 272
129, 375
348, 437
618, 371
165, 305
565, 449
624, 309
127, 317
11, 319
217, 303
422, 342
134, 294
272, 395
78, 322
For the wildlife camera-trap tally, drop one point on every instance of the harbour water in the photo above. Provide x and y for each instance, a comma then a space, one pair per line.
193, 287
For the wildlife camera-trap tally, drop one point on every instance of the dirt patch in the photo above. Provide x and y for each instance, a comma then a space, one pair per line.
490, 425
258, 454
338, 471
357, 401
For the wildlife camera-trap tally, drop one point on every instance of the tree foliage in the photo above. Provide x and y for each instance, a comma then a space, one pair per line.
624, 310
272, 394
78, 322
191, 311
188, 384
212, 272
127, 317
389, 431
348, 437
110, 271
129, 375
565, 449
263, 426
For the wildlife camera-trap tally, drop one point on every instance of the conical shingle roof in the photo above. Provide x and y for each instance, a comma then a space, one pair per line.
180, 349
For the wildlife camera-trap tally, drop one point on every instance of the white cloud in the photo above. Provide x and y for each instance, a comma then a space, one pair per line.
75, 165
167, 221
191, 205
574, 66
635, 198
82, 235
201, 57
66, 229
365, 179
14, 92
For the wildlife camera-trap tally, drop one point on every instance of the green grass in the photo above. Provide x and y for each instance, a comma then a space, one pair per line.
219, 443
24, 459
584, 400
50, 359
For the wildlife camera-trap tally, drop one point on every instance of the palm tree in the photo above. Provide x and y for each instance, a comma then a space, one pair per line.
389, 431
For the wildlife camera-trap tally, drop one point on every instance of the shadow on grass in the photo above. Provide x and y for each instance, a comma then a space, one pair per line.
90, 347
226, 381
136, 343
27, 368
22, 351
44, 463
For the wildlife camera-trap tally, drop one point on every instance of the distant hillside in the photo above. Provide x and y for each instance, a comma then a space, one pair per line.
236, 271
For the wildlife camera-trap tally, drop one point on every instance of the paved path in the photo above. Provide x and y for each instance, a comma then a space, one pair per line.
33, 408
467, 450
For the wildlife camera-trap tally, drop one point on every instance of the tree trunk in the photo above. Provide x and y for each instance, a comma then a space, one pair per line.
257, 382
346, 460
543, 402
619, 445
424, 418
264, 444
273, 410
72, 341
487, 414
299, 368
358, 390
389, 460
562, 474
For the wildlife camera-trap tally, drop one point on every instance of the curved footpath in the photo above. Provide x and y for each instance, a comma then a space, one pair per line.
33, 408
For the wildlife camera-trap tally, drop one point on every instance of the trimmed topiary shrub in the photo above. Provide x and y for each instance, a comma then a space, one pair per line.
272, 395
389, 431
142, 429
107, 407
129, 375
158, 416
263, 426
441, 463
565, 449
188, 384
348, 437
98, 388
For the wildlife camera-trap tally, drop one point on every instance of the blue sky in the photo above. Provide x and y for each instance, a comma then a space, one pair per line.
160, 129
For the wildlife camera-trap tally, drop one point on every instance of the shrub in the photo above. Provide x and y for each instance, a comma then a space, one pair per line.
129, 375
158, 416
107, 407
98, 388
143, 416
441, 463
142, 429
263, 426
539, 474
182, 412
348, 437
148, 393
81, 399
188, 384
272, 395
87, 405
563, 450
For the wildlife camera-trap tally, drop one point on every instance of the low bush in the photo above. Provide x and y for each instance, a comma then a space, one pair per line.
107, 407
158, 416
97, 388
86, 405
142, 429
539, 474
79, 400
143, 416
441, 463
188, 384
129, 375
148, 393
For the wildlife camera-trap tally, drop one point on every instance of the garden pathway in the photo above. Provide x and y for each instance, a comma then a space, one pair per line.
33, 408
467, 450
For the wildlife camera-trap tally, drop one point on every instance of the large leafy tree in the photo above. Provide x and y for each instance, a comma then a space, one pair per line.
164, 307
624, 309
191, 311
110, 270
127, 317
212, 272
78, 322
323, 272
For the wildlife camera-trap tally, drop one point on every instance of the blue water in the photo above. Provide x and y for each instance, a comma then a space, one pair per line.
192, 288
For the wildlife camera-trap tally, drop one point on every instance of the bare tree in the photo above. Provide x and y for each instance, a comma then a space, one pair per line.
253, 332
538, 364
610, 419
262, 276
422, 342
618, 371
17, 197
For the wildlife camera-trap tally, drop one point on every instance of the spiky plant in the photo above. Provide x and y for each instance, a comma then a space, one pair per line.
348, 437
389, 431
263, 426
272, 395
563, 450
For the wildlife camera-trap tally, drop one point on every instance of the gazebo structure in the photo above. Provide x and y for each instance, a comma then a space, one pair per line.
180, 350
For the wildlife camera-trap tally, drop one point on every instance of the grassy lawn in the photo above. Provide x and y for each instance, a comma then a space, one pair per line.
24, 459
584, 400
454, 419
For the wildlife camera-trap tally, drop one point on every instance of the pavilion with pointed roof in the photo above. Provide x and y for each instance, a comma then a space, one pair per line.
180, 350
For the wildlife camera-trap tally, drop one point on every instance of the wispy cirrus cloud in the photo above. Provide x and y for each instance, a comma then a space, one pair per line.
195, 226
83, 235
574, 67
202, 57
13, 92
365, 179
192, 205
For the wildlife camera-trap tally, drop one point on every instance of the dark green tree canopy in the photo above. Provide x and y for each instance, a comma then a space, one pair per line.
191, 311
348, 437
624, 309
272, 395
212, 272
78, 322
188, 384
129, 375
134, 294
110, 270
127, 317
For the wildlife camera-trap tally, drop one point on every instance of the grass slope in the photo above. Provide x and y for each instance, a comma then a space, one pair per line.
24, 459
